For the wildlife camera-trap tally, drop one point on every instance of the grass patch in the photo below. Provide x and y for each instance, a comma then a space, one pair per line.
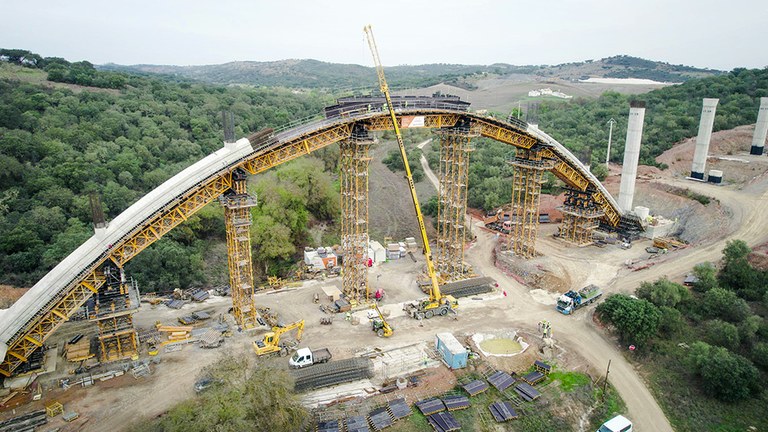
570, 380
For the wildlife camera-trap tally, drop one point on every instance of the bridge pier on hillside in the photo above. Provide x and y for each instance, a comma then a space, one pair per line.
354, 161
453, 175
528, 176
237, 205
581, 216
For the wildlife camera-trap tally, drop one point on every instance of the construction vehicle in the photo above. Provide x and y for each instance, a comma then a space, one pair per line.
271, 342
437, 303
572, 300
380, 325
307, 357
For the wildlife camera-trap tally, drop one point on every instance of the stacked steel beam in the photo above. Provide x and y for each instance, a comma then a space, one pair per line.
328, 374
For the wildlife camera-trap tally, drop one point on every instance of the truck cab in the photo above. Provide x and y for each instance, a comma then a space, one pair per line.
616, 424
565, 304
306, 357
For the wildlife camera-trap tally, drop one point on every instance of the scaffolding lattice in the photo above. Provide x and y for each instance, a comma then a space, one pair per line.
237, 205
112, 308
354, 161
581, 216
453, 175
529, 167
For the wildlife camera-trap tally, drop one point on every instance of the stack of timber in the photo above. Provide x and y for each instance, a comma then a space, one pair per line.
78, 349
337, 372
175, 333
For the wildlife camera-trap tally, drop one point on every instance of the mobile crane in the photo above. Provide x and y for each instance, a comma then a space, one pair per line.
379, 324
271, 342
437, 303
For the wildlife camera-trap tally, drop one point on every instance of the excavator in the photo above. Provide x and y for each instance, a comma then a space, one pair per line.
271, 342
379, 324
437, 303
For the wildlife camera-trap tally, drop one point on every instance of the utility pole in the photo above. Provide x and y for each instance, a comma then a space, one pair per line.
607, 371
611, 122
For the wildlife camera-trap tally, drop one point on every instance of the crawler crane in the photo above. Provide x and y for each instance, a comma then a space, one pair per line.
437, 303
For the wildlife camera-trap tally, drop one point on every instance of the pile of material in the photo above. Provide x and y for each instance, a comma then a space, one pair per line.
337, 372
78, 349
175, 333
26, 422
468, 287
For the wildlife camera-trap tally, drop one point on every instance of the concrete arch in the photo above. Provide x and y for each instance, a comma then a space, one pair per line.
30, 321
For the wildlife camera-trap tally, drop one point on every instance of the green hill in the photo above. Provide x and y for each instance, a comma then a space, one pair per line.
317, 74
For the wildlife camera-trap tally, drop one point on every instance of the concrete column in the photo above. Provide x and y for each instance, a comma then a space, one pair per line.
631, 155
761, 128
702, 140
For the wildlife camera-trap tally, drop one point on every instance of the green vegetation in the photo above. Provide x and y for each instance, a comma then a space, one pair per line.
708, 361
243, 397
672, 114
57, 146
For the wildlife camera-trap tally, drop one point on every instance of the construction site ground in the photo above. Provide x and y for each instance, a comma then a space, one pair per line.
740, 212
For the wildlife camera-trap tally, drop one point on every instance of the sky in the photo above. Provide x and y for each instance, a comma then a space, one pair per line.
701, 33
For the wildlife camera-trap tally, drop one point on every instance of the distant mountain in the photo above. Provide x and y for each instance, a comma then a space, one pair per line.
317, 74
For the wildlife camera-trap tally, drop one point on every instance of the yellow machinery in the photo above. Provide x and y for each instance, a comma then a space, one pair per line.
379, 324
271, 342
436, 304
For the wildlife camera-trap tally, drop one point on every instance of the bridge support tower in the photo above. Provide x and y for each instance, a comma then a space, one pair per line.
453, 175
112, 308
354, 161
581, 216
528, 176
237, 205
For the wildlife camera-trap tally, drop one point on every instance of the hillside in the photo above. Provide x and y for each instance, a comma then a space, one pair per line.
317, 74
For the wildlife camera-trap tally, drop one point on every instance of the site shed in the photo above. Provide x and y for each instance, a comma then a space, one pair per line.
451, 351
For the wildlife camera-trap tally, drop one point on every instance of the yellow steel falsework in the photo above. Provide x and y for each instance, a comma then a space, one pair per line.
296, 148
38, 331
505, 135
430, 121
171, 218
611, 214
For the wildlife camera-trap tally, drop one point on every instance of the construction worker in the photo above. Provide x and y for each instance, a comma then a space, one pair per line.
348, 316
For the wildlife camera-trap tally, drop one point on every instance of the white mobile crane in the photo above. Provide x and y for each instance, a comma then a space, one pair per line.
437, 303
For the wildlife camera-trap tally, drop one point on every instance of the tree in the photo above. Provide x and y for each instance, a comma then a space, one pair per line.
671, 321
600, 171
719, 302
722, 333
636, 320
748, 329
706, 274
760, 354
726, 376
663, 292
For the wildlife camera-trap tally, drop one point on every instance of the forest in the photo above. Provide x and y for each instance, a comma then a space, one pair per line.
712, 336
119, 135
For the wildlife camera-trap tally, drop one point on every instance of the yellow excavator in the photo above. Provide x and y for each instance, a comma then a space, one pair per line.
437, 303
271, 342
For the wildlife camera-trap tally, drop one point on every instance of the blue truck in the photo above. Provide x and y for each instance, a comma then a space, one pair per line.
572, 300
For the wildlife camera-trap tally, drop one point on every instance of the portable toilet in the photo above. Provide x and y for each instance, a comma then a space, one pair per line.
451, 351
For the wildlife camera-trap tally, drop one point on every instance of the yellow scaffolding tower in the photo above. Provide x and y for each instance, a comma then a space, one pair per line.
237, 205
113, 308
529, 167
354, 161
453, 175
581, 216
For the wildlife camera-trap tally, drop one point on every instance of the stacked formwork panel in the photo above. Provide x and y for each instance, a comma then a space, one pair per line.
528, 176
581, 216
354, 214
453, 174
237, 205
112, 308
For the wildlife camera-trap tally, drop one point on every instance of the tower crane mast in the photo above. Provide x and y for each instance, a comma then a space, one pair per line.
437, 303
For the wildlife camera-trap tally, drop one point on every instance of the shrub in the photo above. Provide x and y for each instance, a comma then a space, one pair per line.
636, 320
726, 376
663, 292
721, 303
760, 354
722, 334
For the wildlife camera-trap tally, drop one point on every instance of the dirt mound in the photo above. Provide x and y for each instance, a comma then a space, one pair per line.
9, 295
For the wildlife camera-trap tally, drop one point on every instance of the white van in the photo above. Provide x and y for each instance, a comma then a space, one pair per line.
616, 424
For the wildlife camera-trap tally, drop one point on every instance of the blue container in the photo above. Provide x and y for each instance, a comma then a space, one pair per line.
452, 352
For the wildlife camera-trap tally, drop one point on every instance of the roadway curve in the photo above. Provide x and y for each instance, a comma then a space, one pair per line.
30, 321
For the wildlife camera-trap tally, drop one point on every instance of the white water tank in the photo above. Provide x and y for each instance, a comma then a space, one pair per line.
642, 212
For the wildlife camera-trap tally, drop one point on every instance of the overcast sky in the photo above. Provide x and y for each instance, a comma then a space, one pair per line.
703, 33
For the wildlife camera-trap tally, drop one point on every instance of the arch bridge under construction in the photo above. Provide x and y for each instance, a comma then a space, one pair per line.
93, 274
